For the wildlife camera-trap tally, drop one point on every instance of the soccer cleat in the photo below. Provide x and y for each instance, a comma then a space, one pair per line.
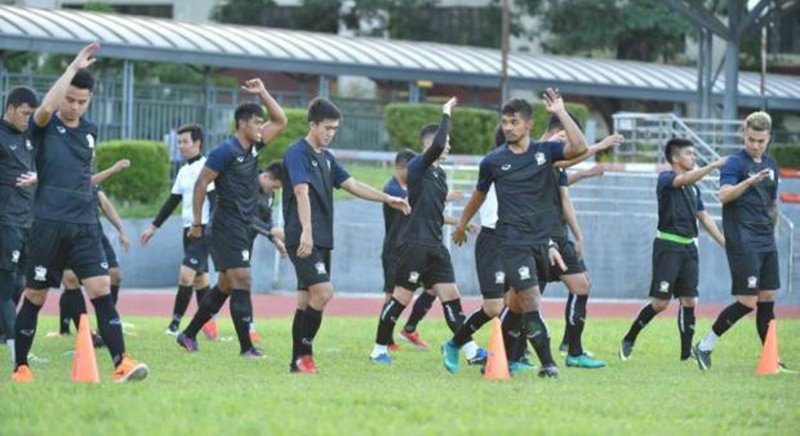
520, 366
254, 336
703, 357
305, 364
383, 358
584, 361
172, 329
562, 348
625, 350
395, 347
415, 339
189, 344
97, 341
210, 330
450, 357
22, 374
130, 369
784, 369
479, 358
253, 353
548, 371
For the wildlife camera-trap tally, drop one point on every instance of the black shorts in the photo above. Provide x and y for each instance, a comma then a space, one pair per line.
108, 250
753, 272
491, 277
55, 246
575, 265
525, 266
311, 270
230, 248
388, 263
13, 248
675, 270
423, 265
195, 252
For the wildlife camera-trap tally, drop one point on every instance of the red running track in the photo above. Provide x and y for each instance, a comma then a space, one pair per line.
137, 302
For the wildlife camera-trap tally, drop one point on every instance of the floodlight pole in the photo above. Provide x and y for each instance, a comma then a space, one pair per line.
504, 50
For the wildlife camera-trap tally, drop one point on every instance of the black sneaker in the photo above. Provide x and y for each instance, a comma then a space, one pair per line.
548, 371
97, 341
625, 350
703, 357
253, 353
187, 343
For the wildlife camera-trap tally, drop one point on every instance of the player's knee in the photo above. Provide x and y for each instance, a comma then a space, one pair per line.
766, 296
116, 276
70, 281
688, 301
493, 308
659, 305
200, 281
37, 297
748, 300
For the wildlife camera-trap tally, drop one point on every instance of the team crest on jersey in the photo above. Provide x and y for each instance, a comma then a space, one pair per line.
28, 144
664, 286
524, 273
320, 268
413, 277
540, 159
499, 277
40, 273
61, 129
246, 255
752, 282
506, 167
15, 256
90, 140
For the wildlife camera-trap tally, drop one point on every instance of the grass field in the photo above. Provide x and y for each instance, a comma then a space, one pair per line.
216, 392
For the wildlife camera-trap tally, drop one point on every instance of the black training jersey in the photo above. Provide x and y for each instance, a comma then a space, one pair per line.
746, 221
393, 219
525, 188
16, 157
64, 166
427, 192
677, 207
322, 173
236, 184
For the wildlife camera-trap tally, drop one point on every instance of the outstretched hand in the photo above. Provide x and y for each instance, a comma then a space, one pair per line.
254, 86
85, 58
447, 107
553, 101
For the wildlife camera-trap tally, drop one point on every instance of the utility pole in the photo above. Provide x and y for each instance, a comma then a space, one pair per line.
504, 49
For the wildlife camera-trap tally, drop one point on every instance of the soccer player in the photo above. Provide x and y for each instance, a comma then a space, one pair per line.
521, 172
233, 167
269, 180
311, 174
64, 231
748, 192
675, 260
16, 160
193, 272
422, 258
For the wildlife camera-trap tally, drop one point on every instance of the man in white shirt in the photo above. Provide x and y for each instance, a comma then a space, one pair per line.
194, 268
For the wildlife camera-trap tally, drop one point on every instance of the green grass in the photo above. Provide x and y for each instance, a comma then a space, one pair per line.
214, 391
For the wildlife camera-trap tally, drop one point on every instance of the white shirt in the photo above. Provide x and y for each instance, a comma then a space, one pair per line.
184, 186
488, 210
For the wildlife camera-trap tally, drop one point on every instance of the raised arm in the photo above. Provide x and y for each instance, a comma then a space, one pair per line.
277, 118
58, 91
436, 149
607, 142
576, 142
112, 215
711, 227
697, 174
98, 178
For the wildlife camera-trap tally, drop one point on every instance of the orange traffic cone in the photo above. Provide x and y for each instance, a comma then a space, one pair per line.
768, 364
496, 362
84, 363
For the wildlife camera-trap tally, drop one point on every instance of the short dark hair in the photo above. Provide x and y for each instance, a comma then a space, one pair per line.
428, 130
275, 169
21, 95
83, 79
675, 145
499, 136
245, 111
520, 106
195, 130
555, 122
403, 157
321, 109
